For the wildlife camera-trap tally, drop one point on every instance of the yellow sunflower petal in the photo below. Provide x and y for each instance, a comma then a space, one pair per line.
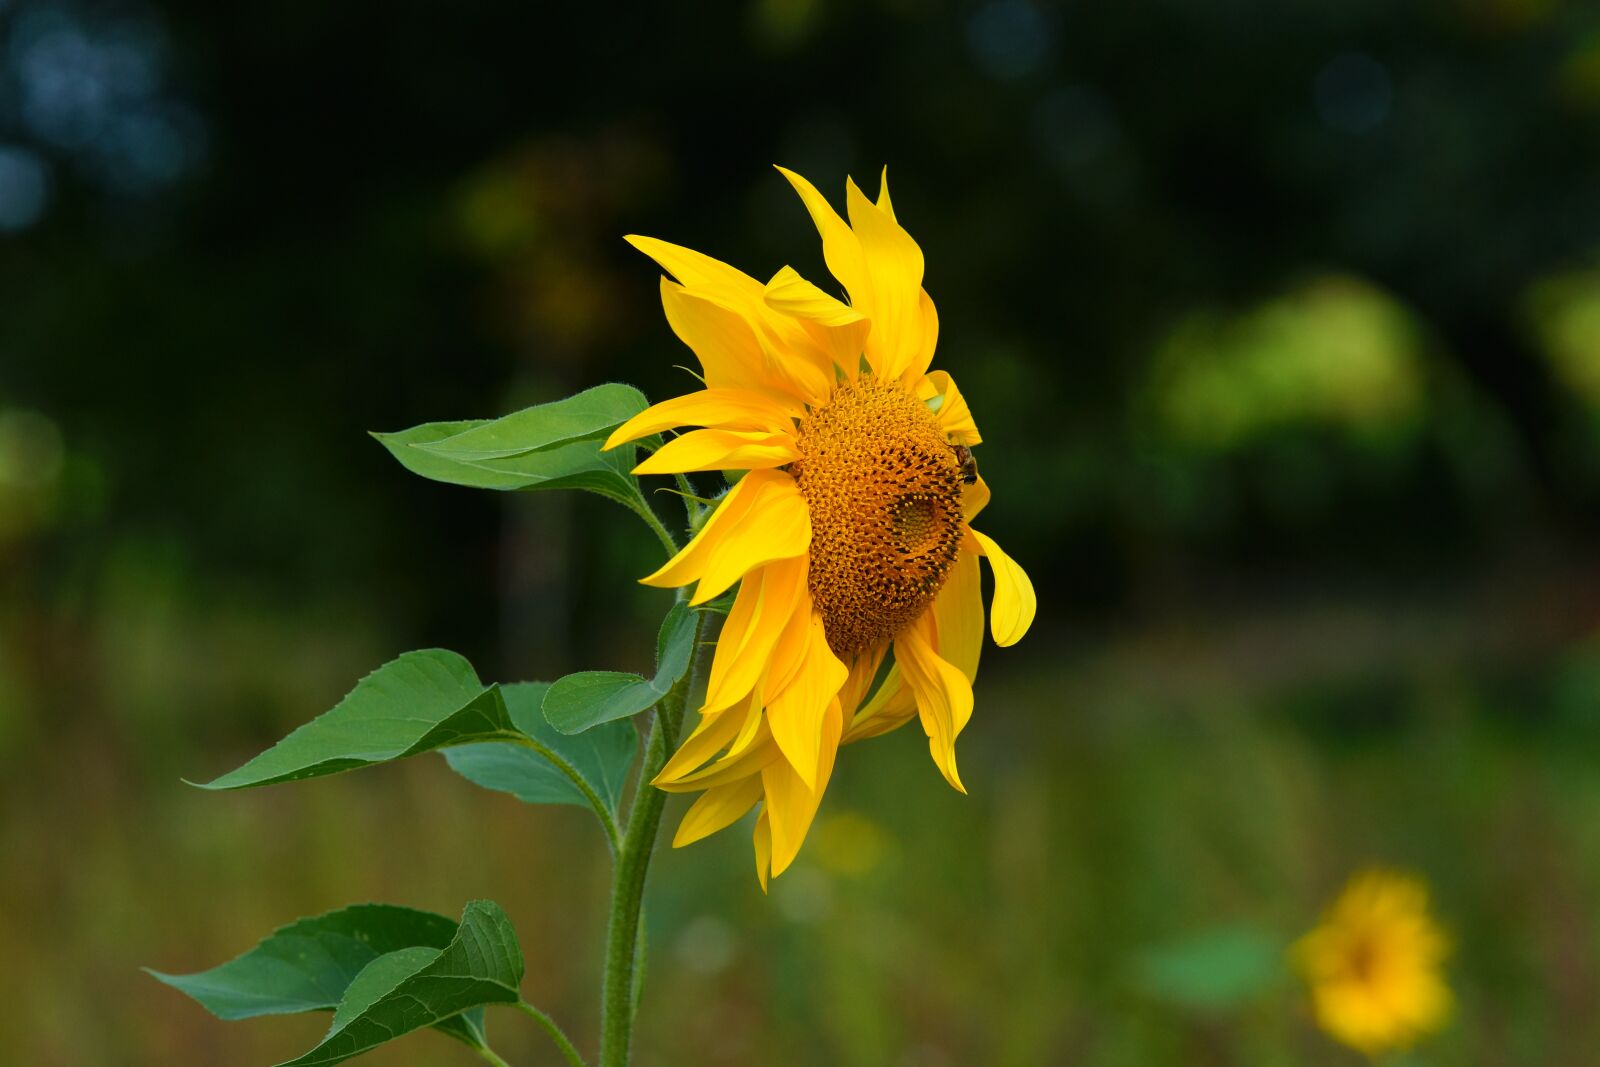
789, 362
835, 331
766, 601
943, 695
725, 409
698, 269
884, 203
959, 614
792, 295
731, 766
862, 671
929, 338
717, 809
974, 498
730, 352
740, 730
954, 416
777, 526
715, 733
721, 450
893, 263
790, 651
764, 503
891, 707
1014, 605
795, 713
840, 247
791, 803
762, 839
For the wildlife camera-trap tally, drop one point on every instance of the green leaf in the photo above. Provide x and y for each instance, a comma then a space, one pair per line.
600, 758
1211, 971
574, 465
578, 465
310, 965
407, 990
418, 702
587, 699
404, 445
588, 414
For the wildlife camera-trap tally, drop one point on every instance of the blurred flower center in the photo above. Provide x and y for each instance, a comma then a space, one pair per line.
884, 491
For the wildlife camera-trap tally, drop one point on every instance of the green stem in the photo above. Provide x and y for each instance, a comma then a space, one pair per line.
644, 511
550, 1027
601, 811
628, 880
489, 1054
691, 506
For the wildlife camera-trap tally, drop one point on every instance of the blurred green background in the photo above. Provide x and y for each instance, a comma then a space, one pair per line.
1282, 322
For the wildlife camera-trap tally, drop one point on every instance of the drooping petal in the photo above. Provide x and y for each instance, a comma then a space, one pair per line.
791, 803
893, 263
764, 605
892, 706
718, 808
714, 733
943, 695
725, 409
731, 765
741, 731
790, 651
795, 712
974, 498
958, 612
762, 839
721, 450
762, 518
1014, 605
863, 669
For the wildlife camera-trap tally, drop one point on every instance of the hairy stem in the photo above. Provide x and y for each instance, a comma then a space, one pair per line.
489, 1054
628, 879
567, 1049
645, 512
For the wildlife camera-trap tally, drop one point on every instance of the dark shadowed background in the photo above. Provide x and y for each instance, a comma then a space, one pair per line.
1282, 323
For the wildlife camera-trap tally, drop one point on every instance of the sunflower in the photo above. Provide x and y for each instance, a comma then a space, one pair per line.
848, 525
1374, 964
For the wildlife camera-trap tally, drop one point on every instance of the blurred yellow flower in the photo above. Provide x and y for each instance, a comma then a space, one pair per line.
849, 534
1375, 964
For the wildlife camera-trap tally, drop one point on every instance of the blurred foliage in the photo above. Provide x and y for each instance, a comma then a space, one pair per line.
1280, 321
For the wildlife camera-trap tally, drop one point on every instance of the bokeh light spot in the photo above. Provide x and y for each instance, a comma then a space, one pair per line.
1009, 39
1353, 93
24, 189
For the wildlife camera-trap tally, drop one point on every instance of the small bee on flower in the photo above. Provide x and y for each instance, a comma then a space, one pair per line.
850, 534
1374, 965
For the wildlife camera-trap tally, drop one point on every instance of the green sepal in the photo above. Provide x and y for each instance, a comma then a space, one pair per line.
587, 699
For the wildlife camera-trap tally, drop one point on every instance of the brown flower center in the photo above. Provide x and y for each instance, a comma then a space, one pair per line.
884, 491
